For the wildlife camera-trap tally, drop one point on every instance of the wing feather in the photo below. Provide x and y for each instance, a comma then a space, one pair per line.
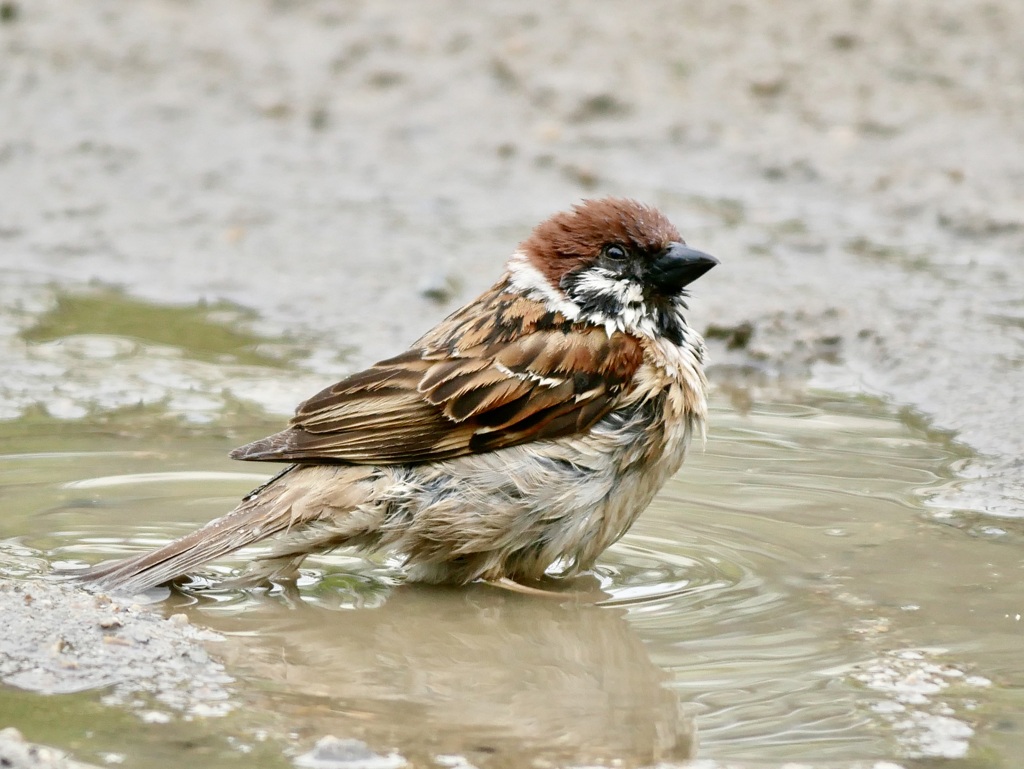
438, 400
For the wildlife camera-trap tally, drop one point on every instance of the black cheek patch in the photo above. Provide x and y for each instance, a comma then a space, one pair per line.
590, 303
600, 305
670, 327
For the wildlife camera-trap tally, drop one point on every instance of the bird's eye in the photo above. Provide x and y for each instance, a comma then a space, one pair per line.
615, 252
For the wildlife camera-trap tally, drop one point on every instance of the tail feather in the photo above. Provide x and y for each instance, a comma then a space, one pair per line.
315, 504
257, 517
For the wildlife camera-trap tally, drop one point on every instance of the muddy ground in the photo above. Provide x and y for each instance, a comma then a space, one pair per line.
352, 171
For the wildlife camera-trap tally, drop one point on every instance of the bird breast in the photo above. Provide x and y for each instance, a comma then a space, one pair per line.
562, 500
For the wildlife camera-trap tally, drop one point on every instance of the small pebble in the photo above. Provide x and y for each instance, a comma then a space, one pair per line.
333, 753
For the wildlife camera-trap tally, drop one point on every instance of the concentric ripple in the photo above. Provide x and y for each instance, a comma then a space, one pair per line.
746, 604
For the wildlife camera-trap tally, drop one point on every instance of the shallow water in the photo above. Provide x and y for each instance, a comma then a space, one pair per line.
792, 595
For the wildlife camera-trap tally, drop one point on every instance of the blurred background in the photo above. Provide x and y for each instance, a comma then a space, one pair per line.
211, 209
353, 170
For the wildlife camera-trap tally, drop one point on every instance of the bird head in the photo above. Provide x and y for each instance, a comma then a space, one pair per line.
611, 262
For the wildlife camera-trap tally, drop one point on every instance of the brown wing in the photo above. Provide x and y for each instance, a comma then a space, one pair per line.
436, 401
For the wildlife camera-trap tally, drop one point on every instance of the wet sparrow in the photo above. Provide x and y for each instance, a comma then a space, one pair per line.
525, 432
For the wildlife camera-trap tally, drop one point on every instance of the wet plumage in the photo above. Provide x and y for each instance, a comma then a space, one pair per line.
526, 431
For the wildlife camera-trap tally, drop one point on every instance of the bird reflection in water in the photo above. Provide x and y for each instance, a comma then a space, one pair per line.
495, 677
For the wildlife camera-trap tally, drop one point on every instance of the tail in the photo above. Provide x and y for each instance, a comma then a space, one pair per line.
290, 500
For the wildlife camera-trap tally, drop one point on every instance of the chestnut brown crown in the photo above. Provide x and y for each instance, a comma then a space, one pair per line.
572, 240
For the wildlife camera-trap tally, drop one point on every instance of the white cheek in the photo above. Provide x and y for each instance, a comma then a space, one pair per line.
633, 293
531, 283
633, 318
596, 281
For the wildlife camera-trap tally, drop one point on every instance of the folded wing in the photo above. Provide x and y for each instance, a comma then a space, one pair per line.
438, 401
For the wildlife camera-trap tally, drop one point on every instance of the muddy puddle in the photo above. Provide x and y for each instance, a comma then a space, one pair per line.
795, 594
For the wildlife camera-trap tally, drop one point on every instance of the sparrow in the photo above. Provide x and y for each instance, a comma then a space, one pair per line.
518, 438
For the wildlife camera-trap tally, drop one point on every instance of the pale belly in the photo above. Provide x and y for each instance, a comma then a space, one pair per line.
515, 512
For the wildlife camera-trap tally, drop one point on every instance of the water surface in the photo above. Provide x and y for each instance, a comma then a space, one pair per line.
792, 595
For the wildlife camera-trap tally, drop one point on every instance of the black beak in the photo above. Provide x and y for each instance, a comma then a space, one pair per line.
678, 266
